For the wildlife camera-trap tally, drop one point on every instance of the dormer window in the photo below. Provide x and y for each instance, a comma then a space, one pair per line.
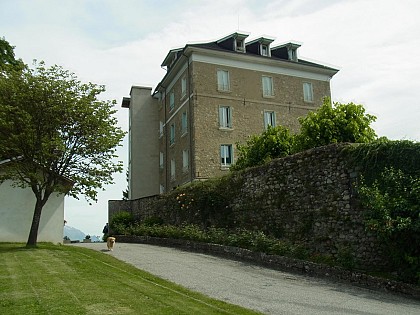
259, 46
240, 45
235, 42
264, 50
292, 54
286, 51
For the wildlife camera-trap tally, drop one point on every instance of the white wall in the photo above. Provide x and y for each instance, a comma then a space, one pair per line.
16, 211
144, 144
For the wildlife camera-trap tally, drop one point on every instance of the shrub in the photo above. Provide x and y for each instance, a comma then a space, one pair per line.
120, 222
393, 213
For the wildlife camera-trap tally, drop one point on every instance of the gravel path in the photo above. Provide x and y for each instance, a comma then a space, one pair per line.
265, 290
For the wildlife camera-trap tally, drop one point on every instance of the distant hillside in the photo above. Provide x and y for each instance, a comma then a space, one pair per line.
77, 235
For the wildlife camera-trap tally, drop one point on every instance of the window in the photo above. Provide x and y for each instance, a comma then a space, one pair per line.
172, 169
161, 160
267, 84
226, 157
308, 93
223, 80
184, 123
225, 117
185, 160
172, 135
161, 189
160, 129
264, 50
269, 119
183, 87
240, 45
171, 101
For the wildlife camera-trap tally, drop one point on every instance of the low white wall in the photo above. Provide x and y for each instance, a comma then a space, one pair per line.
16, 211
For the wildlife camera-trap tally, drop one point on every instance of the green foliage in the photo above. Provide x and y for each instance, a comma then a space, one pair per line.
7, 56
331, 123
372, 158
56, 131
335, 123
393, 213
253, 240
273, 143
204, 203
121, 221
153, 221
345, 258
389, 189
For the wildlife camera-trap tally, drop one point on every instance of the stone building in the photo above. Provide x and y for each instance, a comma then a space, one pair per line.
213, 96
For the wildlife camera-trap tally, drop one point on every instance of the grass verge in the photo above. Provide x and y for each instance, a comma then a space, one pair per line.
54, 279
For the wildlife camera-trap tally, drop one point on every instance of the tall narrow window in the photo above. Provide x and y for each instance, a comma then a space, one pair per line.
172, 135
171, 101
226, 157
172, 169
264, 50
160, 129
269, 119
160, 159
185, 160
161, 188
225, 117
240, 45
223, 80
308, 93
183, 86
184, 123
267, 85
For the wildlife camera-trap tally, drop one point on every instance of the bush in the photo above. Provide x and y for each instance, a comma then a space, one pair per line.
393, 214
120, 222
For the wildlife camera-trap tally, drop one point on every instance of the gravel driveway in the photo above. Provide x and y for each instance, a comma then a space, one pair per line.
265, 290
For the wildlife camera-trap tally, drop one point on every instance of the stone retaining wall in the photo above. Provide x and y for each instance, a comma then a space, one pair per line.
307, 198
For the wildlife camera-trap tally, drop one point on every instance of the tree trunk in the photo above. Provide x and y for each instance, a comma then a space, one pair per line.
33, 233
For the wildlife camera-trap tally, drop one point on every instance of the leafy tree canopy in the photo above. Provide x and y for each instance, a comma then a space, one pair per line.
273, 143
7, 55
54, 127
331, 123
335, 123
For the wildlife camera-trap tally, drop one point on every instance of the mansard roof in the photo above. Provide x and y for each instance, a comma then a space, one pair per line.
229, 44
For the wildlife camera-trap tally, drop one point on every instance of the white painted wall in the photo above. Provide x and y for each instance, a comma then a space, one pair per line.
16, 211
144, 144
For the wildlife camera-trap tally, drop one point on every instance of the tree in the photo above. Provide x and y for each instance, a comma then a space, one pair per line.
7, 56
54, 127
335, 123
331, 123
273, 143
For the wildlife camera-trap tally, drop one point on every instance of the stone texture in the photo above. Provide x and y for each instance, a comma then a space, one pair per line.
308, 199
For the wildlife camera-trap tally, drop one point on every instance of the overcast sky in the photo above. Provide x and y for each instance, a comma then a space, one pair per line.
120, 43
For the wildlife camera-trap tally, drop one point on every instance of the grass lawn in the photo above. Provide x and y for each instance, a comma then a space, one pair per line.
56, 279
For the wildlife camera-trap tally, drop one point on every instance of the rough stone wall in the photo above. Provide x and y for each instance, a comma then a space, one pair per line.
307, 198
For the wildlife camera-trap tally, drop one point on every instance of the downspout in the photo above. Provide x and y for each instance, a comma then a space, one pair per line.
192, 175
165, 135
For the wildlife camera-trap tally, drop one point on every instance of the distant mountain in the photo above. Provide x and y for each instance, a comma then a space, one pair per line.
73, 233
77, 235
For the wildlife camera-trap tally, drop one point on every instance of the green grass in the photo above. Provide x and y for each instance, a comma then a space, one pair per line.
54, 279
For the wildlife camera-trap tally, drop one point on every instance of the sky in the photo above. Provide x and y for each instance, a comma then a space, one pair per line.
120, 43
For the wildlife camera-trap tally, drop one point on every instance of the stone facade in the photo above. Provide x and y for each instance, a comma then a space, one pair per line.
189, 97
307, 198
